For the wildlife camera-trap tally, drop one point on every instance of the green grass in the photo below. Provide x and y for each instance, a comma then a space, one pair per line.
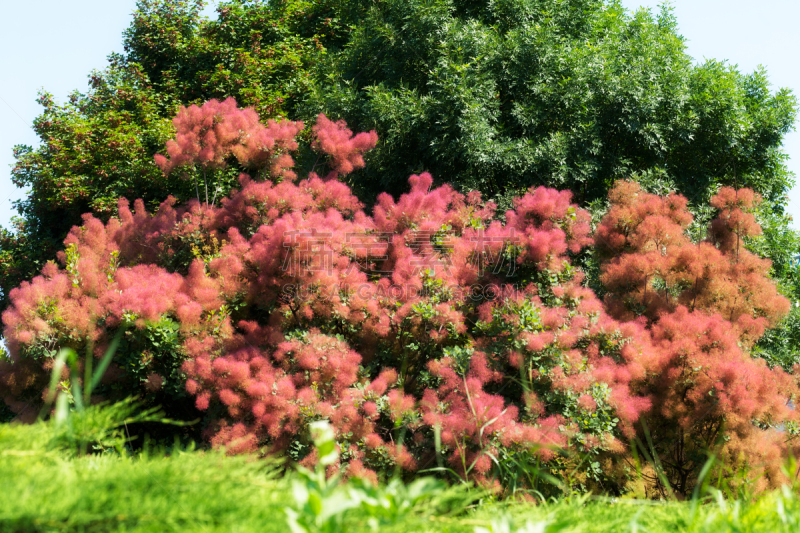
47, 485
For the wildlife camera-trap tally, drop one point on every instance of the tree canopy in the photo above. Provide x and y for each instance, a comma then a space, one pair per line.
499, 96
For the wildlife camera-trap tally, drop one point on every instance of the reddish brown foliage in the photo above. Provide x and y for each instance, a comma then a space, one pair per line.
705, 304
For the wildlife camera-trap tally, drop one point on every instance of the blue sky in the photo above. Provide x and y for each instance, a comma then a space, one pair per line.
54, 45
50, 44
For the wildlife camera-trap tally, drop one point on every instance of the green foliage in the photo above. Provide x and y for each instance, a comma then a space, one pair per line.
152, 492
77, 425
779, 243
499, 96
781, 346
322, 502
155, 348
101, 427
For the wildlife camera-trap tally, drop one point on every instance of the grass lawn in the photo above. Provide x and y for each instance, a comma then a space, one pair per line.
49, 487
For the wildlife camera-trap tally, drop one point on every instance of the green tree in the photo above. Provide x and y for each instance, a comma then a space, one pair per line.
498, 96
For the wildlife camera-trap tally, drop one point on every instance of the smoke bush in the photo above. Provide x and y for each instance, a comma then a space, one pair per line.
705, 304
429, 333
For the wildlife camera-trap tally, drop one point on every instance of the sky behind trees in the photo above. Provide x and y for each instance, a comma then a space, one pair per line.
55, 45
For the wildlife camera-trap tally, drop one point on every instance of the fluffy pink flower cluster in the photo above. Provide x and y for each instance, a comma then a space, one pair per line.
206, 135
84, 303
345, 150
